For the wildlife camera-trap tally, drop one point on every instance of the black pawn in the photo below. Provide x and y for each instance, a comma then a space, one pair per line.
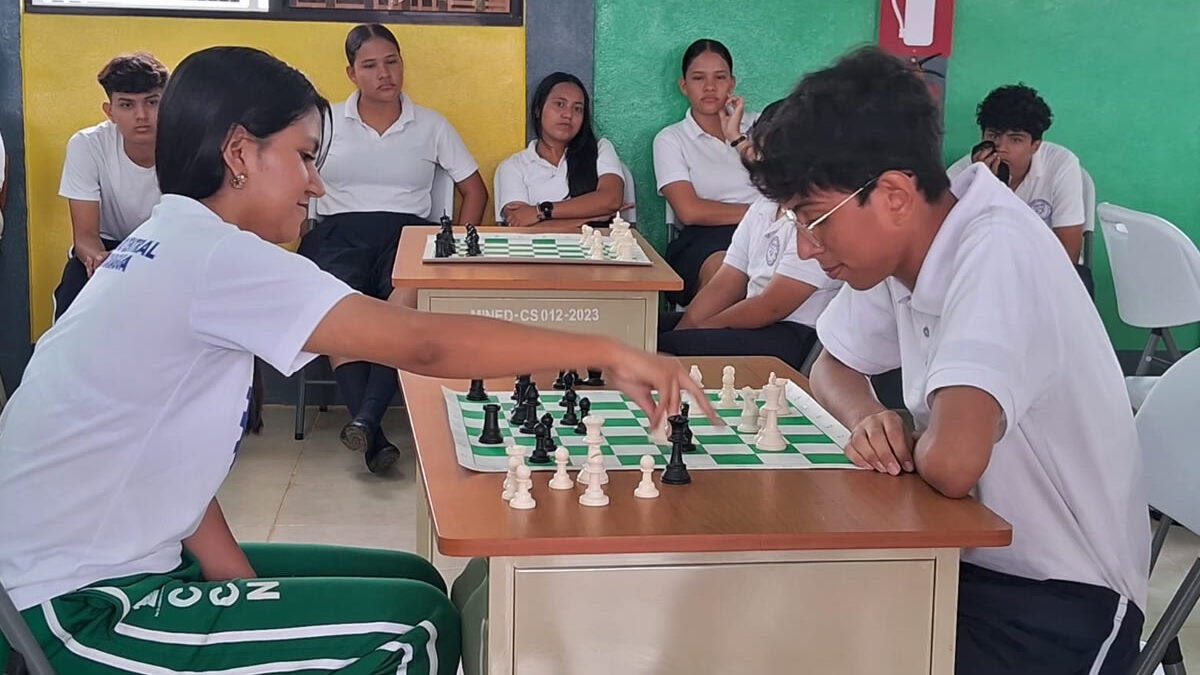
518, 394
684, 409
569, 419
531, 419
558, 381
548, 420
477, 392
585, 409
531, 394
540, 454
676, 472
595, 378
491, 425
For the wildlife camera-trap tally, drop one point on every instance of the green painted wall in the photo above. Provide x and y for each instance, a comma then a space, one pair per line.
1121, 78
639, 45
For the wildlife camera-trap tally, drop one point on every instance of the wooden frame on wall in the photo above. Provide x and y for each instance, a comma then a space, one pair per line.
461, 12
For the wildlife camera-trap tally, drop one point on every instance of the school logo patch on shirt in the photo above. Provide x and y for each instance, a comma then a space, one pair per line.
773, 248
132, 246
1043, 209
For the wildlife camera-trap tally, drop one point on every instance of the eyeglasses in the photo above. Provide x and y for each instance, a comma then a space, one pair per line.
806, 230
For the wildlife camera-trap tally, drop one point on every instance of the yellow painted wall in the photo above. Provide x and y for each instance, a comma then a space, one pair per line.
475, 76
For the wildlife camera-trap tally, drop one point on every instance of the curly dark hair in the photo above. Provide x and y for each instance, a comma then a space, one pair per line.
1014, 107
845, 125
136, 73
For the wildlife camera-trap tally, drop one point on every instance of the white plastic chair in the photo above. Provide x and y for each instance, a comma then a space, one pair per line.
630, 197
1089, 218
1165, 425
21, 640
1156, 272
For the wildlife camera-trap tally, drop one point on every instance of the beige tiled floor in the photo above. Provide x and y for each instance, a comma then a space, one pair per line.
315, 491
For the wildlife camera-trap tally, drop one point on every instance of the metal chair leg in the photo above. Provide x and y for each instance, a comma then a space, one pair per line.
1148, 353
301, 401
1172, 620
1172, 348
1161, 530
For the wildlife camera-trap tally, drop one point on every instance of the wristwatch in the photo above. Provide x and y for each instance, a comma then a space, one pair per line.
737, 141
546, 210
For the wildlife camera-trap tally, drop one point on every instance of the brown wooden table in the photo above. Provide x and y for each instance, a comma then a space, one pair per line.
620, 301
817, 570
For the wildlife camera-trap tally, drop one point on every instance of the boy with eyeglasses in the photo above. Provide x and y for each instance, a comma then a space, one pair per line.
1014, 389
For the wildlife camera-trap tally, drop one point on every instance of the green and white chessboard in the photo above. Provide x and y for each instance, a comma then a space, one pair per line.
533, 248
814, 437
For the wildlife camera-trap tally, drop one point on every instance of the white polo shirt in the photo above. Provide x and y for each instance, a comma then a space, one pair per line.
392, 172
98, 170
1053, 187
527, 177
107, 464
997, 307
763, 246
685, 152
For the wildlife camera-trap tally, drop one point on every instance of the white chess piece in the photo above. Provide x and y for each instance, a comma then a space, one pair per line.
646, 489
510, 479
728, 396
659, 436
782, 406
594, 494
522, 499
696, 376
585, 238
619, 223
625, 249
597, 252
769, 439
561, 480
593, 423
585, 474
762, 412
749, 422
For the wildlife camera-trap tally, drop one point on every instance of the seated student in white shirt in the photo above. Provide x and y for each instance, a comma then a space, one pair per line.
698, 169
108, 176
1012, 120
1014, 388
379, 177
566, 177
121, 559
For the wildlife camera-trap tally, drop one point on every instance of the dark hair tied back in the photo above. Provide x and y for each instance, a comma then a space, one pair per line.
363, 33
583, 149
705, 45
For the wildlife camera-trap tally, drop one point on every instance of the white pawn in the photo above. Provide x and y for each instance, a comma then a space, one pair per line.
510, 479
522, 499
769, 439
625, 249
585, 239
597, 252
749, 422
696, 376
728, 397
646, 489
561, 481
593, 423
594, 494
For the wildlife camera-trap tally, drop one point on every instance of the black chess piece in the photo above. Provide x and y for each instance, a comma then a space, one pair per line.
684, 409
548, 420
595, 378
558, 381
541, 454
676, 472
477, 392
520, 413
491, 425
585, 409
531, 392
518, 394
677, 423
531, 419
569, 419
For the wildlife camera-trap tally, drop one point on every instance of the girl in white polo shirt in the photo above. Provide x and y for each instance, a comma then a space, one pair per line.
1013, 385
379, 177
699, 170
566, 177
113, 545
